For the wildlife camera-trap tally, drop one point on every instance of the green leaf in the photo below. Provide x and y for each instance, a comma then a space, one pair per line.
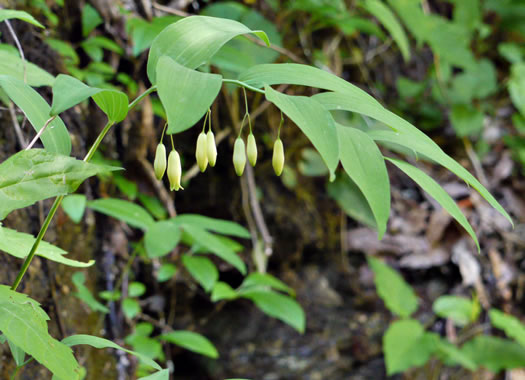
166, 272
219, 226
153, 205
126, 211
517, 86
159, 375
161, 238
24, 323
93, 341
381, 11
278, 306
131, 307
461, 310
350, 198
406, 345
143, 33
202, 269
13, 65
68, 92
222, 291
8, 14
405, 134
85, 295
65, 50
74, 206
365, 165
191, 341
214, 245
136, 289
90, 19
185, 94
466, 120
113, 103
314, 121
511, 325
19, 244
397, 295
18, 354
449, 353
266, 280
351, 98
312, 164
207, 35
33, 175
494, 353
56, 137
436, 192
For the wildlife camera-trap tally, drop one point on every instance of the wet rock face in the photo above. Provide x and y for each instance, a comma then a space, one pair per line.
340, 341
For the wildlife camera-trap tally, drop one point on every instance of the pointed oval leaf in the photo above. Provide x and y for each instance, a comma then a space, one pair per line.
363, 162
214, 244
385, 15
161, 238
461, 310
74, 206
313, 120
191, 341
7, 14
19, 244
494, 353
406, 345
278, 306
407, 135
220, 226
193, 40
24, 323
113, 103
185, 94
56, 137
95, 341
13, 65
68, 92
397, 295
159, 375
126, 211
512, 326
435, 191
202, 269
33, 175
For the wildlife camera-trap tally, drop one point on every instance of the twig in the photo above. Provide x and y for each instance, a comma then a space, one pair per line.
159, 187
257, 212
478, 168
176, 12
19, 47
21, 140
42, 130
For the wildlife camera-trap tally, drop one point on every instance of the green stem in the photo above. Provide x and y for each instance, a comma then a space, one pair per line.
242, 84
141, 96
52, 212
39, 238
59, 199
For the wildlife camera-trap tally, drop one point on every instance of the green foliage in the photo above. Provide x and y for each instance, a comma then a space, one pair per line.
177, 87
56, 137
511, 325
19, 244
406, 345
397, 295
202, 269
128, 212
207, 35
24, 324
12, 65
35, 174
436, 192
85, 295
494, 353
461, 310
8, 14
90, 19
161, 238
191, 341
363, 162
75, 206
166, 272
